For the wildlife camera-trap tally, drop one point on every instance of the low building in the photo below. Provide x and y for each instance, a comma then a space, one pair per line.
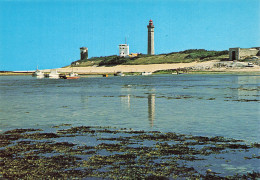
123, 50
242, 53
132, 55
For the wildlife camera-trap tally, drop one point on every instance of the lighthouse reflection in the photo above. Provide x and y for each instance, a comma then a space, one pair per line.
126, 100
128, 103
151, 108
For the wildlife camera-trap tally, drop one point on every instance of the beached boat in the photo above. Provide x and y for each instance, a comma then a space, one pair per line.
146, 73
53, 74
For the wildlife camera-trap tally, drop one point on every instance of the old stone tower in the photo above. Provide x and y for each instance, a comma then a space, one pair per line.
83, 53
242, 53
150, 48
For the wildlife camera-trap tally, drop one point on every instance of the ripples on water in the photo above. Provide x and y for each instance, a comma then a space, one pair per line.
211, 105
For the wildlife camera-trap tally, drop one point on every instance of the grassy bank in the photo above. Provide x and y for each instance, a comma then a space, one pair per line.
187, 56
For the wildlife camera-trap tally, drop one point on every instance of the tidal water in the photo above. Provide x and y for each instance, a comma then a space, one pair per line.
208, 105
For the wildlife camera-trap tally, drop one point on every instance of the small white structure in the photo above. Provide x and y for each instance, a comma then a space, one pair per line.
146, 73
123, 50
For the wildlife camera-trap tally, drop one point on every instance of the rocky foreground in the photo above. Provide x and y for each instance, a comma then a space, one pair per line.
65, 152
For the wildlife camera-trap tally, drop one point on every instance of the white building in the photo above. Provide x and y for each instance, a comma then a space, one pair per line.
123, 50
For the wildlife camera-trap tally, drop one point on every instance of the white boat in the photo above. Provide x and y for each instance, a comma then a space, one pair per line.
54, 74
146, 73
38, 73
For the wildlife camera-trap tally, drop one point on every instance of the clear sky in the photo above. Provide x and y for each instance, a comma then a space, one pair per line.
49, 33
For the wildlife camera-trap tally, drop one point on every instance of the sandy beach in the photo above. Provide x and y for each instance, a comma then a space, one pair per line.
126, 68
227, 66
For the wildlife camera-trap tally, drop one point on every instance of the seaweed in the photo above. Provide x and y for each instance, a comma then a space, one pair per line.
20, 131
118, 154
76, 130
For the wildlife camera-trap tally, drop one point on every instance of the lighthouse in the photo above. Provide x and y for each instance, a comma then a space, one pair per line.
150, 48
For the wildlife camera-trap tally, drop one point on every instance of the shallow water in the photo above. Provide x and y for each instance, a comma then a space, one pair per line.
211, 105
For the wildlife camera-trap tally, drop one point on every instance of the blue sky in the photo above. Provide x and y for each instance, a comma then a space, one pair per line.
49, 33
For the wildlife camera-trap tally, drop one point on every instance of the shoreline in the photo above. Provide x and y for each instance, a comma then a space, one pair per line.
210, 67
238, 72
207, 66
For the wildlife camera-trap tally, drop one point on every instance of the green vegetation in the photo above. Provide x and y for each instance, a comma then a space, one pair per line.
203, 54
94, 61
113, 61
186, 56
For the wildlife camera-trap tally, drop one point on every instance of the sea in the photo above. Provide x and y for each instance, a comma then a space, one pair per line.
198, 104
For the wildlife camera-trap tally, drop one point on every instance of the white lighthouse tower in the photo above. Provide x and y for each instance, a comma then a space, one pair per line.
150, 48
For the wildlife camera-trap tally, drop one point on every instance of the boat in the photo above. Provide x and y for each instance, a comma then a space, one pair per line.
38, 73
146, 73
72, 75
53, 74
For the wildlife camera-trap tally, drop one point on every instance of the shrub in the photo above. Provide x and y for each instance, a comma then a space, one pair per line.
114, 61
202, 53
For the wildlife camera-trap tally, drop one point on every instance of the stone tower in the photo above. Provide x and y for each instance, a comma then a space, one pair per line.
150, 48
83, 53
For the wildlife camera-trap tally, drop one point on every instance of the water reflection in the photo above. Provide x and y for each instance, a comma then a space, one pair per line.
151, 108
247, 86
126, 100
83, 98
244, 88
